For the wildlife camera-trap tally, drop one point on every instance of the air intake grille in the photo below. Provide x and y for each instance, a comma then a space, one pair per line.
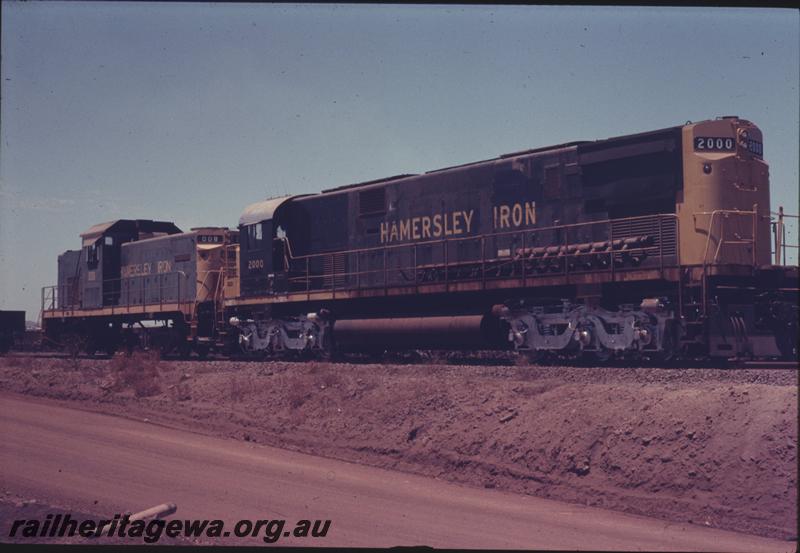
648, 226
372, 202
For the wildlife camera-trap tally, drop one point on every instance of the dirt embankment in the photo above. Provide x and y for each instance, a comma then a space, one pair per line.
710, 447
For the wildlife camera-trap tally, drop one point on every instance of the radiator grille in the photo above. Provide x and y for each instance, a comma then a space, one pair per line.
649, 226
371, 202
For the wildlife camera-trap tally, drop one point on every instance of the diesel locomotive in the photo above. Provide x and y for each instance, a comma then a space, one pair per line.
652, 245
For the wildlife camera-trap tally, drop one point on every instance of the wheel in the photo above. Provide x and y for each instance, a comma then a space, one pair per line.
602, 355
669, 344
73, 344
786, 340
202, 351
532, 357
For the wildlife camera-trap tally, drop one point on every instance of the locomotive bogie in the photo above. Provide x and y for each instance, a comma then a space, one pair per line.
578, 329
299, 334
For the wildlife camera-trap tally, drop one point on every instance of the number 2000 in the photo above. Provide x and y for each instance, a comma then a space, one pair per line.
712, 143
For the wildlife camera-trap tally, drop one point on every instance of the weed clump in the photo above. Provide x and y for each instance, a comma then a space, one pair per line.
138, 372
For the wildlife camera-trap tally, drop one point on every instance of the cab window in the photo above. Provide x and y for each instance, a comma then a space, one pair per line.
255, 238
91, 256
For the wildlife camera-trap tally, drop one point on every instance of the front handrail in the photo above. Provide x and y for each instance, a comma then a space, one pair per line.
779, 232
725, 213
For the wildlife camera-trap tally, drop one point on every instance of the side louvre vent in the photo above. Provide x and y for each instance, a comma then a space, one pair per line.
552, 182
372, 202
334, 267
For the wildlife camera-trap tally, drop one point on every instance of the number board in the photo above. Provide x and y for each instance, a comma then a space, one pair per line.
755, 147
720, 144
714, 144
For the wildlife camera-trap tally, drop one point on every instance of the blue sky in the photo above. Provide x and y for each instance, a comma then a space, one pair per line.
188, 112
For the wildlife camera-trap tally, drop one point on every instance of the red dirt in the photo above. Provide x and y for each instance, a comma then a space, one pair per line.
706, 446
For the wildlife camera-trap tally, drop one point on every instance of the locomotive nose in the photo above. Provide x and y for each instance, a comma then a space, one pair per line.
724, 211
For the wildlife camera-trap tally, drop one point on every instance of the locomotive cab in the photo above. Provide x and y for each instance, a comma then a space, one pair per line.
262, 248
96, 268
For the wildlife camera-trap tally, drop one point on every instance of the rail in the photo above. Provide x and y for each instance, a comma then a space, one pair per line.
723, 215
611, 245
779, 233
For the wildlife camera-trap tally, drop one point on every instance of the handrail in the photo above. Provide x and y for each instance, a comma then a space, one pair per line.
504, 261
726, 212
520, 261
215, 295
489, 235
569, 260
779, 231
120, 296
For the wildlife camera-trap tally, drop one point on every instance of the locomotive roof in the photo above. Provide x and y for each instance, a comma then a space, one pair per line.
97, 230
513, 154
587, 145
193, 229
138, 243
138, 225
365, 183
262, 211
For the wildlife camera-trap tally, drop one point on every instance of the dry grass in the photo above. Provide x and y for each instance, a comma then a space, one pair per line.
315, 367
180, 392
523, 359
139, 372
21, 362
240, 387
299, 390
329, 379
318, 376
12, 361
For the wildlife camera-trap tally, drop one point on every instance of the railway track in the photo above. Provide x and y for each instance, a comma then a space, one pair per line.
491, 358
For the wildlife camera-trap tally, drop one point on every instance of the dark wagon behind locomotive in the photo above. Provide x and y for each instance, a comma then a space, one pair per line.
643, 245
12, 329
